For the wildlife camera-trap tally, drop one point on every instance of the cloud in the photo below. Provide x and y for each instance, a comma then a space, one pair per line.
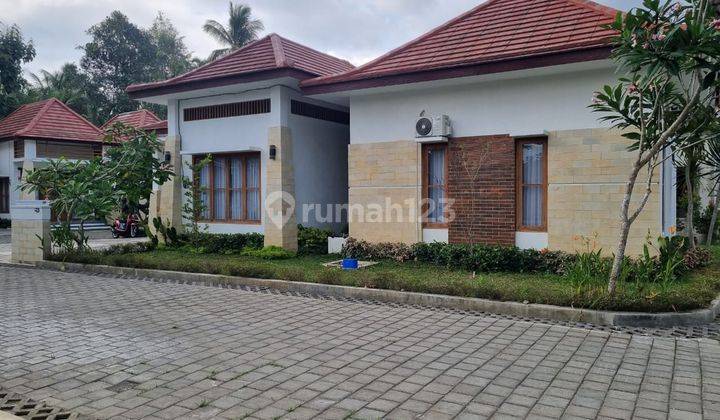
355, 30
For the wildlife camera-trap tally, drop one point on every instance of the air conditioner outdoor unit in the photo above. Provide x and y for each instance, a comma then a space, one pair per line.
432, 127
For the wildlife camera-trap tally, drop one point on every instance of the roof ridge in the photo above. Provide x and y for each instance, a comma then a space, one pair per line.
591, 4
315, 50
418, 38
37, 116
85, 120
278, 51
195, 70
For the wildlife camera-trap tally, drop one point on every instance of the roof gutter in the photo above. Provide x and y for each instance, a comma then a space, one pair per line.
157, 89
314, 87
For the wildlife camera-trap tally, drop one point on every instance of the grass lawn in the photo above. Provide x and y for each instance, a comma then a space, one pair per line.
696, 290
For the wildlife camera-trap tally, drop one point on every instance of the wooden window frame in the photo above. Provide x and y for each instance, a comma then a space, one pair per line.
426, 148
519, 184
4, 194
211, 190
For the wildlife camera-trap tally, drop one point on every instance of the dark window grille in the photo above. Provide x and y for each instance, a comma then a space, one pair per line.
19, 146
5, 195
319, 112
235, 109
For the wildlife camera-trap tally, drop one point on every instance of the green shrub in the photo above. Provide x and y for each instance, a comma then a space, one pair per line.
312, 241
214, 243
699, 257
5, 223
269, 253
484, 258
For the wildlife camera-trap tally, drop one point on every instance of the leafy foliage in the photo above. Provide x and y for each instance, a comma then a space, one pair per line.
241, 30
5, 223
14, 52
211, 243
312, 241
269, 253
194, 208
68, 84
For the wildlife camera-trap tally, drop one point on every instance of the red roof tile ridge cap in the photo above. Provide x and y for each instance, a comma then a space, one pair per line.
37, 116
278, 51
413, 41
140, 86
590, 4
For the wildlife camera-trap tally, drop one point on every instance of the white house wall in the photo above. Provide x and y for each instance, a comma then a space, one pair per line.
518, 107
6, 170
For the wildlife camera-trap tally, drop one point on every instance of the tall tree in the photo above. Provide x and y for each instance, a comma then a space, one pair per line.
671, 53
171, 55
68, 84
118, 55
14, 52
241, 29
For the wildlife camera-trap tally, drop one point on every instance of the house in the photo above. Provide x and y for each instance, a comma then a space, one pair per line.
274, 149
35, 133
526, 162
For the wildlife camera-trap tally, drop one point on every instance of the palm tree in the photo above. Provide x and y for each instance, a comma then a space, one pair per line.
241, 30
67, 84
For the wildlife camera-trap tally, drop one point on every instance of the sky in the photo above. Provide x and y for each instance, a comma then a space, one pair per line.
356, 30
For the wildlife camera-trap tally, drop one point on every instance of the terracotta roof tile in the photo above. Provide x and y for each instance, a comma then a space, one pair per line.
135, 119
48, 119
272, 52
493, 31
159, 126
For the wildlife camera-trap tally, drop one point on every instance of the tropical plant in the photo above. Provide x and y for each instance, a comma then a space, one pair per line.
194, 207
14, 52
670, 53
711, 161
68, 84
241, 30
134, 167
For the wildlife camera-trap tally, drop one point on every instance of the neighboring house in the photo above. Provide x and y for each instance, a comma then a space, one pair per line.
35, 133
245, 109
527, 163
137, 119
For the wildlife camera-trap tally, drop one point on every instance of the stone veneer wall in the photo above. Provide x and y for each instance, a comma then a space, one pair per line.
280, 179
587, 171
167, 201
27, 247
381, 174
481, 183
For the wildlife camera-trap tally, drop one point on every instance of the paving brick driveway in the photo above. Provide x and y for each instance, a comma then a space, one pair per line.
75, 340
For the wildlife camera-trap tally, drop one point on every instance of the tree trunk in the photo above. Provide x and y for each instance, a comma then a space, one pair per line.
624, 230
689, 222
713, 219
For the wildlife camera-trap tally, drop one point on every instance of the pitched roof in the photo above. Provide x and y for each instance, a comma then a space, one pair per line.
48, 119
495, 31
259, 58
159, 127
135, 119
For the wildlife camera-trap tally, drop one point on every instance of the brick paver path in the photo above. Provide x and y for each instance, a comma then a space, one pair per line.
75, 340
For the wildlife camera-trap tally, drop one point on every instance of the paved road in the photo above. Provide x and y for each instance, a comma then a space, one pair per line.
199, 352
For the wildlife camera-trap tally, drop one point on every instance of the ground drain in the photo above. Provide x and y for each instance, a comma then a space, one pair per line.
25, 407
123, 386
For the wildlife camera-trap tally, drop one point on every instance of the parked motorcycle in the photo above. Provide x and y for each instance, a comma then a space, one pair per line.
129, 227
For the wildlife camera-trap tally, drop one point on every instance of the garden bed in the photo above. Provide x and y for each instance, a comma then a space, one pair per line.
694, 291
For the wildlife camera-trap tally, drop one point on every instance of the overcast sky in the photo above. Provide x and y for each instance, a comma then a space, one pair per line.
356, 30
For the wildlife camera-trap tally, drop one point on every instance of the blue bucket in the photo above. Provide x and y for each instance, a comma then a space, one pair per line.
349, 264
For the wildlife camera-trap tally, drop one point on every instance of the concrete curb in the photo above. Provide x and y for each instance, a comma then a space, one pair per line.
559, 313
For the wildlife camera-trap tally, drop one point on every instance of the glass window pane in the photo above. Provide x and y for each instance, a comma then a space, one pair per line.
236, 173
532, 206
236, 183
436, 185
253, 172
532, 155
253, 183
219, 193
253, 203
204, 182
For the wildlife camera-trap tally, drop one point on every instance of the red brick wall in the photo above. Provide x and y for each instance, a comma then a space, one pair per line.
481, 181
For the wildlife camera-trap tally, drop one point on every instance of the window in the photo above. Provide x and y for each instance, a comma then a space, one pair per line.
435, 167
235, 109
231, 188
19, 148
531, 162
319, 112
5, 195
